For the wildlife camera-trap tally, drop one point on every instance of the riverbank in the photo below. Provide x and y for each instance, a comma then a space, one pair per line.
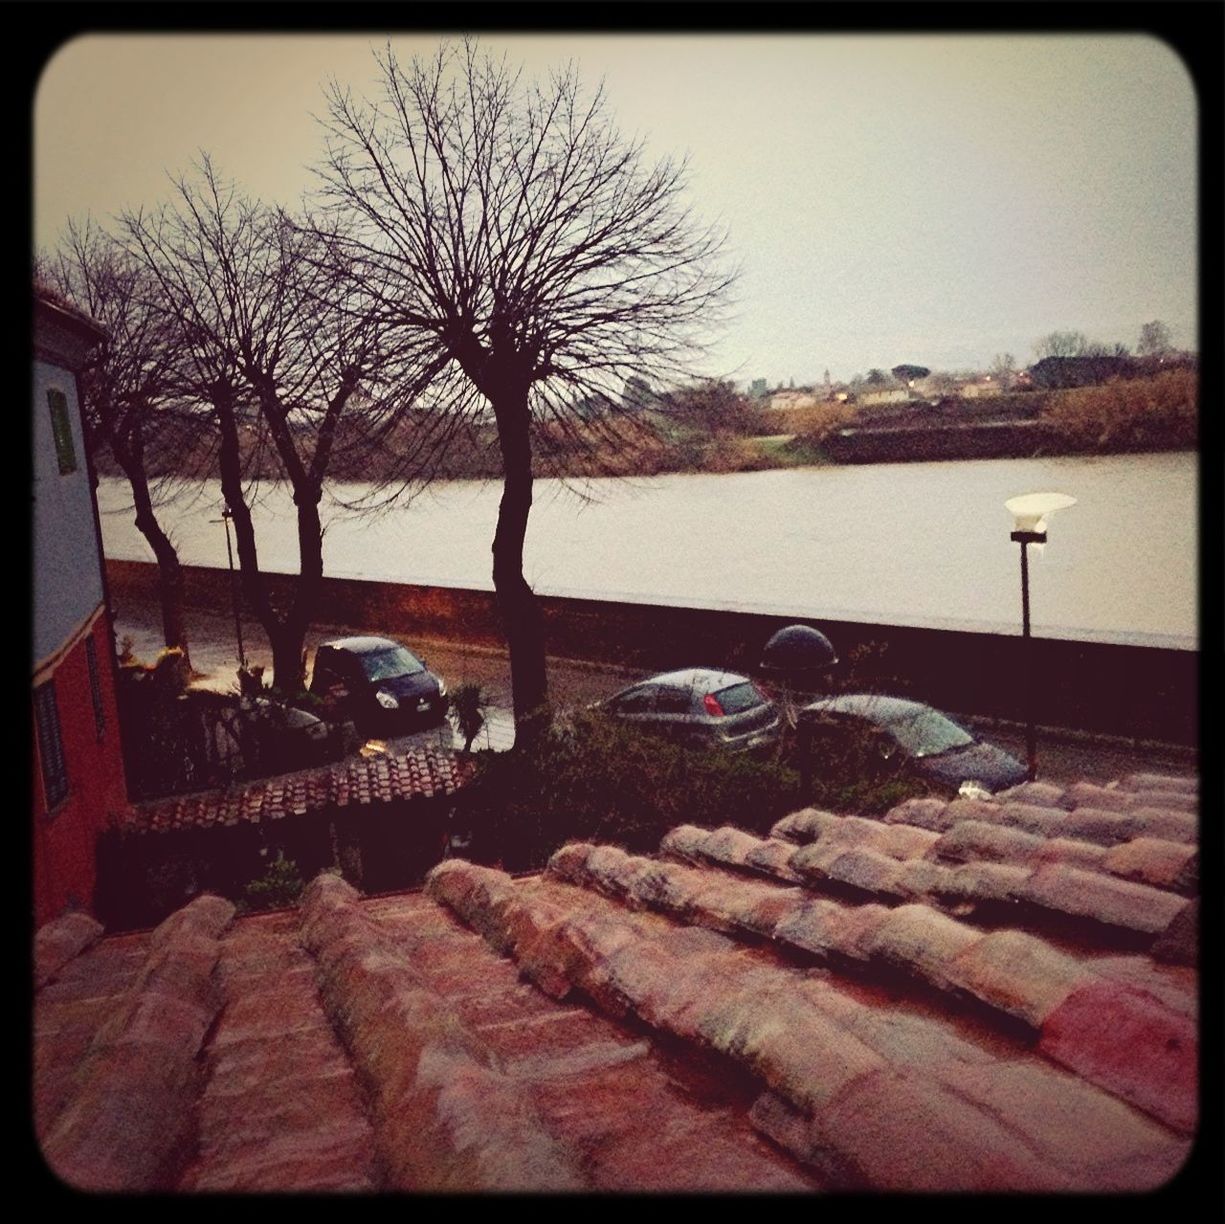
1152, 414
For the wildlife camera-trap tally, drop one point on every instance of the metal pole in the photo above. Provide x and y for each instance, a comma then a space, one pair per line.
1031, 741
226, 512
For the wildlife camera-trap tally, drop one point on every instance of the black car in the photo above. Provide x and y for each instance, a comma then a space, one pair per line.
699, 707
377, 683
870, 734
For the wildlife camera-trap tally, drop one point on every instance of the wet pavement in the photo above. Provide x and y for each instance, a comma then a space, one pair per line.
1063, 757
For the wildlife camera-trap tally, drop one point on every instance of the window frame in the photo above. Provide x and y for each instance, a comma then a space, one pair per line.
61, 431
674, 701
49, 733
645, 692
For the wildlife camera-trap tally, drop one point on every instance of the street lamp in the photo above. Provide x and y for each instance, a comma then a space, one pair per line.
226, 515
1029, 514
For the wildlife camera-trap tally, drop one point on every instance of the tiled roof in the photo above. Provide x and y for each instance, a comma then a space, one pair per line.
422, 772
56, 301
988, 996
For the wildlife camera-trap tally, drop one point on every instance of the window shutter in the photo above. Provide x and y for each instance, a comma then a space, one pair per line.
50, 744
61, 429
95, 686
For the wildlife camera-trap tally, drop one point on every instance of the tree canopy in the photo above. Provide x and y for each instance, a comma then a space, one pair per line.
530, 258
1154, 339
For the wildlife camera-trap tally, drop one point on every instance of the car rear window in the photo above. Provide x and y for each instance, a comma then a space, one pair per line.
739, 697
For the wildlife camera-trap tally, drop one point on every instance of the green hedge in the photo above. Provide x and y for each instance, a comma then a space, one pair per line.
595, 780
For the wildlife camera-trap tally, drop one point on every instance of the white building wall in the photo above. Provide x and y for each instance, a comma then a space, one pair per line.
67, 572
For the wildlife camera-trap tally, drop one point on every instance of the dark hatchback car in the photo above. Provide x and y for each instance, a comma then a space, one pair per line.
379, 684
699, 708
879, 735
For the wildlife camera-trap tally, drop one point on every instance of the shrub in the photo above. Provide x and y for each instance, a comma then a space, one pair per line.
818, 418
279, 886
470, 706
1158, 412
596, 780
821, 420
727, 453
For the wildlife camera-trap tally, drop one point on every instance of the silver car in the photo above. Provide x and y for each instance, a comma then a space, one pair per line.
700, 708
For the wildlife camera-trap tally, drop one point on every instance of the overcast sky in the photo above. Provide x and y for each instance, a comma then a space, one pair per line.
930, 199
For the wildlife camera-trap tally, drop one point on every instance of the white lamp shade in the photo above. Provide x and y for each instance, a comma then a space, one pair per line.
1030, 511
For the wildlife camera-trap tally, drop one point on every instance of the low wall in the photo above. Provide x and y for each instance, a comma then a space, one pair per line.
989, 440
1135, 691
1000, 439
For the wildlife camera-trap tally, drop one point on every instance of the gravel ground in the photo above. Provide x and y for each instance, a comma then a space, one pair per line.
1063, 756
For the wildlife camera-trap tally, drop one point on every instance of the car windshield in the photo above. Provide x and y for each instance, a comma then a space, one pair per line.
738, 698
928, 733
389, 664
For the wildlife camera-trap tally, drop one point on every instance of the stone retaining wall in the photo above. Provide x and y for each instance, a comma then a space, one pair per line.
1133, 691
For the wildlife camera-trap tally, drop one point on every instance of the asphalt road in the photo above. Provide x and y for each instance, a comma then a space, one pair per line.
1063, 756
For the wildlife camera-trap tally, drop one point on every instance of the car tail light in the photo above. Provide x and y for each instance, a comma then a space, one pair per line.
711, 702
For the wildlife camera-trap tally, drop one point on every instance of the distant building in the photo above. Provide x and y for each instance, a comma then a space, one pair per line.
797, 398
78, 780
757, 388
982, 388
885, 395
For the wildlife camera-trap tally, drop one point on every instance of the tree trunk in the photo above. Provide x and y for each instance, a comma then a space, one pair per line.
286, 633
229, 460
520, 611
289, 662
169, 571
288, 657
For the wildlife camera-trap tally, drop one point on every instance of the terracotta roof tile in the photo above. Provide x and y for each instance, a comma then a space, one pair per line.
1181, 783
130, 1115
56, 943
962, 995
422, 772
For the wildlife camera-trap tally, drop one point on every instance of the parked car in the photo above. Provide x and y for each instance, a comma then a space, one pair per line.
379, 684
878, 735
288, 738
699, 707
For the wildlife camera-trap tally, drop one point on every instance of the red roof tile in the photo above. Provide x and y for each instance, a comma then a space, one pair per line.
895, 1004
419, 773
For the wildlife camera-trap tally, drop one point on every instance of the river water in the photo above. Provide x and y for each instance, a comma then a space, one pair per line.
922, 544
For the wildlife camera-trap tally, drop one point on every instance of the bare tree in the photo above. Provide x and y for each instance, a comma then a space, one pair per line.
129, 388
535, 258
1062, 344
1154, 339
278, 342
1004, 368
712, 406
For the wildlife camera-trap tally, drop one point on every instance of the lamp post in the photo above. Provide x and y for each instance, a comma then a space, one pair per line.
1029, 514
797, 657
226, 515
